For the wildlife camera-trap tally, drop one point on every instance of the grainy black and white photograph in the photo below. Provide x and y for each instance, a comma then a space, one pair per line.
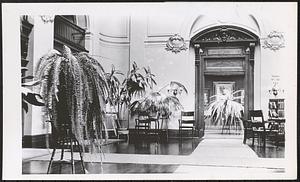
169, 90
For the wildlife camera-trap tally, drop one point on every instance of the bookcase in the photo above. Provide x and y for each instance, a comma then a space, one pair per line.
276, 108
277, 118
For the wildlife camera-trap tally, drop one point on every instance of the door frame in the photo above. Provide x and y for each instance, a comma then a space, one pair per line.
223, 37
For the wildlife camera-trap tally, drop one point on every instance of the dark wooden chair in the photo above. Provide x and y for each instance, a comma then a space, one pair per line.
142, 123
187, 121
258, 125
63, 138
154, 118
247, 129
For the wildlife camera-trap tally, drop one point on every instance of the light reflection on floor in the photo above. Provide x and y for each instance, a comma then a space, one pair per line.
174, 146
271, 151
40, 167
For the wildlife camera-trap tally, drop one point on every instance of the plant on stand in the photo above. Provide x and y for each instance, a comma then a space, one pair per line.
114, 94
157, 102
225, 110
134, 86
75, 91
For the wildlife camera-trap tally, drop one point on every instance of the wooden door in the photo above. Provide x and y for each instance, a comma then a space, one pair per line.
227, 52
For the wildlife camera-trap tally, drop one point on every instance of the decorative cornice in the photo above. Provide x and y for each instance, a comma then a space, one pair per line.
224, 34
274, 41
176, 44
47, 18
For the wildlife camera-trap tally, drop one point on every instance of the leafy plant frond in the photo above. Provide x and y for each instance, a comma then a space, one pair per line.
224, 108
31, 83
156, 102
178, 84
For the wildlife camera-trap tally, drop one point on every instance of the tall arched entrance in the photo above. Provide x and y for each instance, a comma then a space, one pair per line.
224, 58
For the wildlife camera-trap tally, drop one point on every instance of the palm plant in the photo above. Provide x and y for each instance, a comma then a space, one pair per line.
114, 85
149, 77
175, 87
157, 102
225, 109
75, 90
136, 83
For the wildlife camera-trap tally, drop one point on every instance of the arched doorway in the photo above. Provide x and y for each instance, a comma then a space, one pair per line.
224, 57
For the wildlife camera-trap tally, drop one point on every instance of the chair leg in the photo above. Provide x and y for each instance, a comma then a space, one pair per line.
62, 154
179, 132
192, 132
277, 140
51, 161
264, 140
253, 135
72, 159
222, 128
245, 135
61, 158
81, 159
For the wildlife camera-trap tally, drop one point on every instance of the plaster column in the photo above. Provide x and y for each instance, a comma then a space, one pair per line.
137, 35
43, 40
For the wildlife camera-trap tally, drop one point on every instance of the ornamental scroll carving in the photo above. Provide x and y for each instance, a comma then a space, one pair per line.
274, 41
224, 35
176, 44
47, 18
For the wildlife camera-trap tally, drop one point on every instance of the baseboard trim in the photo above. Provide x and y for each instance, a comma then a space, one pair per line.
36, 141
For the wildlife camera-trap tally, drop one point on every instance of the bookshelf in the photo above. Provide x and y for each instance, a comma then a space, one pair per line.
276, 109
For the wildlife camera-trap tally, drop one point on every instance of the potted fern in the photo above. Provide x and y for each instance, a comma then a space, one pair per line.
74, 89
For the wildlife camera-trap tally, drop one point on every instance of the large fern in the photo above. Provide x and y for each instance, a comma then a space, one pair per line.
77, 85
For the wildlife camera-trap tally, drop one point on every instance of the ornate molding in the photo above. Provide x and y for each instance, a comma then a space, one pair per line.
225, 34
47, 18
274, 41
176, 44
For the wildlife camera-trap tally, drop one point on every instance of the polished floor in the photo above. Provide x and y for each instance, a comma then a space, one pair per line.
38, 167
173, 146
270, 151
212, 156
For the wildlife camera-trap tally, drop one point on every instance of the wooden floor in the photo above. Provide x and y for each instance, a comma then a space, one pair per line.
271, 151
215, 151
174, 146
38, 167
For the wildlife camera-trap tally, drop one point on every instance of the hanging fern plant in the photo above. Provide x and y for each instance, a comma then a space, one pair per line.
75, 91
